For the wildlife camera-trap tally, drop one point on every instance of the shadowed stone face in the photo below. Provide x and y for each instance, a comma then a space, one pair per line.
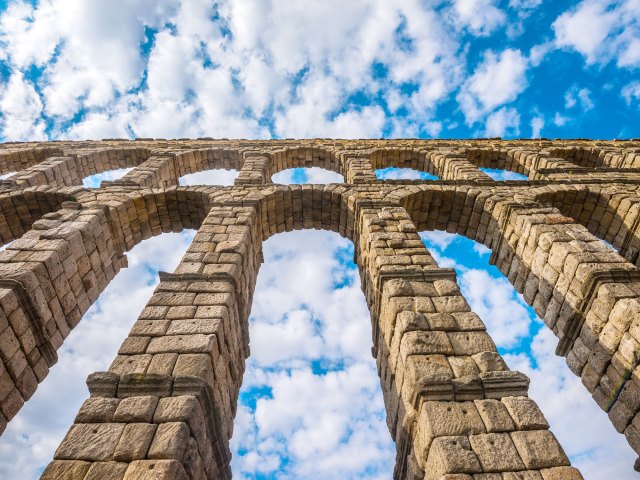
165, 407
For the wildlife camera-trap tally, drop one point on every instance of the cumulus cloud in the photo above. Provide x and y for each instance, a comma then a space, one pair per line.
20, 110
577, 97
230, 69
498, 80
537, 124
500, 123
480, 16
602, 31
631, 92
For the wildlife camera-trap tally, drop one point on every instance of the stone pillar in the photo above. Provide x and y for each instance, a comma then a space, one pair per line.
165, 408
456, 166
255, 169
156, 171
357, 167
587, 294
48, 279
453, 406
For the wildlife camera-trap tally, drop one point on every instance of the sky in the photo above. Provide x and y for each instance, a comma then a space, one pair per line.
76, 69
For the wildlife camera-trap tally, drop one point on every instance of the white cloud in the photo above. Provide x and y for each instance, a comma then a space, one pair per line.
560, 120
602, 30
481, 17
537, 124
503, 122
229, 69
578, 97
498, 80
20, 109
209, 177
631, 92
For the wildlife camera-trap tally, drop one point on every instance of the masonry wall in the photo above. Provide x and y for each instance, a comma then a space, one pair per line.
165, 406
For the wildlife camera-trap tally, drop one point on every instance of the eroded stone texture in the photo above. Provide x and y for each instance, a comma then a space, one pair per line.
165, 407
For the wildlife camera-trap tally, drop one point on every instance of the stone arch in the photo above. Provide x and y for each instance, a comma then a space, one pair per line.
194, 161
20, 209
61, 266
297, 207
304, 157
578, 286
416, 159
15, 158
598, 156
61, 170
610, 214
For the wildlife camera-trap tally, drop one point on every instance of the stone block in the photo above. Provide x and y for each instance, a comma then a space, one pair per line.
94, 442
170, 441
107, 471
66, 470
155, 470
136, 409
495, 416
496, 452
134, 442
449, 455
525, 413
539, 449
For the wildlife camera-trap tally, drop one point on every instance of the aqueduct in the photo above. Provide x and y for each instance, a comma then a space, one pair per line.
164, 409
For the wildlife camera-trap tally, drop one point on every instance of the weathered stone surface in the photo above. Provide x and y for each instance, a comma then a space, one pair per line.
90, 441
525, 413
155, 470
496, 452
451, 455
539, 449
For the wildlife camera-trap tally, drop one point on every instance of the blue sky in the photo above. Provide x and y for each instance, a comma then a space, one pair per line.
260, 68
267, 69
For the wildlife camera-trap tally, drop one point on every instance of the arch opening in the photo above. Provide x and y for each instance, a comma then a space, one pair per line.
210, 177
307, 175
33, 435
310, 342
528, 345
404, 173
94, 181
503, 175
18, 211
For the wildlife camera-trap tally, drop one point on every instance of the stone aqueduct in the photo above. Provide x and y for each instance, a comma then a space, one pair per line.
165, 407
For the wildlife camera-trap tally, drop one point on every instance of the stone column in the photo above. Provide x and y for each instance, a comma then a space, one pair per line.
157, 171
587, 294
48, 279
456, 166
453, 406
165, 408
255, 169
357, 167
